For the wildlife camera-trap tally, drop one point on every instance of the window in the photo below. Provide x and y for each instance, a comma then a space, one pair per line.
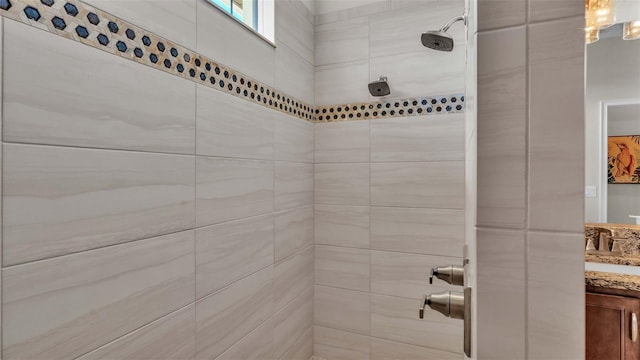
255, 14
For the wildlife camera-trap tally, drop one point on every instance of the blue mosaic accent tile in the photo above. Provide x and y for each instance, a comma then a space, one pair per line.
392, 108
81, 22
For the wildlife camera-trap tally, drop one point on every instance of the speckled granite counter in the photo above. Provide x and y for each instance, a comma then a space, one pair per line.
632, 260
612, 280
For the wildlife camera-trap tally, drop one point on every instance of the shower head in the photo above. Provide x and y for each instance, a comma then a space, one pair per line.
379, 87
439, 39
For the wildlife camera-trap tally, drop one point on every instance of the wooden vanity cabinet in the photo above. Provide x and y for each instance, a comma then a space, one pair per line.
611, 328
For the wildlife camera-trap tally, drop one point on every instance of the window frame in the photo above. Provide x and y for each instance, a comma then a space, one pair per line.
258, 21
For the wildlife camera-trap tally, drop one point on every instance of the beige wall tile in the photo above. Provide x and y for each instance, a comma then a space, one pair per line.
340, 345
421, 138
556, 172
342, 309
342, 83
500, 294
418, 184
292, 321
294, 139
406, 275
293, 185
257, 345
540, 10
345, 141
293, 30
395, 318
341, 184
228, 189
53, 102
172, 19
230, 251
244, 51
293, 231
494, 14
294, 74
390, 350
169, 338
556, 303
293, 276
63, 200
502, 127
55, 308
342, 41
341, 225
342, 267
413, 230
228, 126
238, 309
302, 349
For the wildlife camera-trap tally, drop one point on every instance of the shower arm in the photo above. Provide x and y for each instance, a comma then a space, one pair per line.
453, 21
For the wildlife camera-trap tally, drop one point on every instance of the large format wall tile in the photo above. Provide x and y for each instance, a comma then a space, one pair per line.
341, 184
292, 321
340, 345
541, 10
257, 345
56, 308
395, 318
556, 171
555, 280
418, 184
414, 230
502, 127
406, 275
227, 316
339, 42
341, 225
169, 338
302, 349
500, 294
494, 14
346, 141
342, 309
294, 74
172, 19
228, 189
293, 185
342, 267
228, 126
422, 138
230, 251
69, 99
293, 231
391, 350
294, 30
293, 276
244, 51
342, 83
63, 200
294, 139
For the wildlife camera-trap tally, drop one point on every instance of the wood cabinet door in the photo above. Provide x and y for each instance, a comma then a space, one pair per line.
609, 327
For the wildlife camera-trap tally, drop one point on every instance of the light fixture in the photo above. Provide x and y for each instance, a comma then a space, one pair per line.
631, 30
599, 14
591, 35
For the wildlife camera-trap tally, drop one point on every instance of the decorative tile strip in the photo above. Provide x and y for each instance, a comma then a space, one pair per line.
81, 22
78, 21
391, 108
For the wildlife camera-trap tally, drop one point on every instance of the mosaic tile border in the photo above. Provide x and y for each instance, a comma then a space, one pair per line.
391, 108
80, 22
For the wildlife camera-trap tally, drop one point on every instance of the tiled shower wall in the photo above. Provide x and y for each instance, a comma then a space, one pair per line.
530, 237
389, 193
146, 216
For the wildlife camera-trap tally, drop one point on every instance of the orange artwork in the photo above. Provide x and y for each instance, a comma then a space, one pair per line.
623, 154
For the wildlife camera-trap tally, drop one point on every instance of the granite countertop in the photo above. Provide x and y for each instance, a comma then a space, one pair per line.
612, 280
631, 260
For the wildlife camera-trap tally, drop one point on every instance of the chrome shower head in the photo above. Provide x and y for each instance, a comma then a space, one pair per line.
379, 87
439, 39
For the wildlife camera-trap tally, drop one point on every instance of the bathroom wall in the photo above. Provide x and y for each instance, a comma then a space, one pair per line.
389, 193
145, 215
608, 78
530, 218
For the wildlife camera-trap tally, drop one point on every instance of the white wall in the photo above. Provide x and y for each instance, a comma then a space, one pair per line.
612, 73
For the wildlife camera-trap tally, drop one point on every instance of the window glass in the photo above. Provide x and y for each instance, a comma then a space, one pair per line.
256, 14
